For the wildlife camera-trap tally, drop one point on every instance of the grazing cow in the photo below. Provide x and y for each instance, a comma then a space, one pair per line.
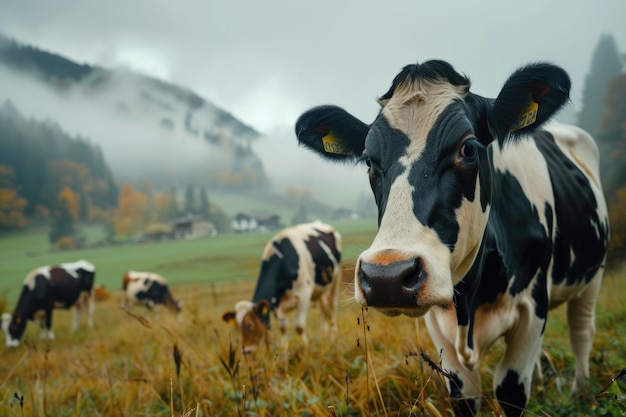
149, 289
485, 220
46, 288
299, 265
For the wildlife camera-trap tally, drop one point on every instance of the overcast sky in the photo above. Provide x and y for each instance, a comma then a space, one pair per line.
267, 61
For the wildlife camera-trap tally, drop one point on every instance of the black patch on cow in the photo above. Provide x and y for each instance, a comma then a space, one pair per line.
578, 228
521, 238
510, 394
437, 174
65, 288
462, 406
324, 264
277, 273
156, 293
384, 146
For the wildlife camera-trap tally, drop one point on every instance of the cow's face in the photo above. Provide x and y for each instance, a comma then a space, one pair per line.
429, 170
250, 320
13, 329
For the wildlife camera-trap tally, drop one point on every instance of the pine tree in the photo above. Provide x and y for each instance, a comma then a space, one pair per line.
605, 66
191, 203
64, 217
205, 208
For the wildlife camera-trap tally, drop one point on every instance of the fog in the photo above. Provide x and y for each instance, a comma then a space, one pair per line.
125, 128
266, 63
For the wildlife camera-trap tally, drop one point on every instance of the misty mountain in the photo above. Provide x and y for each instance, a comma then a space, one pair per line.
39, 159
145, 127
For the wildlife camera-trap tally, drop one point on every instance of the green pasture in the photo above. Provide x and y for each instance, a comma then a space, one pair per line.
223, 259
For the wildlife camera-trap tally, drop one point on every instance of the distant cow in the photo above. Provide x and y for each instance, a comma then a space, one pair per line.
299, 265
485, 220
49, 287
149, 289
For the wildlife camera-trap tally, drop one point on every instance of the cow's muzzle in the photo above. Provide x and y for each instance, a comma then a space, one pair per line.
392, 286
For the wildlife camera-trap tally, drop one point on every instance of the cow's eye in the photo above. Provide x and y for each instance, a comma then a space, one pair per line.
469, 149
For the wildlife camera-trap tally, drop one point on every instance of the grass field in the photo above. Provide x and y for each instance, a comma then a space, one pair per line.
127, 365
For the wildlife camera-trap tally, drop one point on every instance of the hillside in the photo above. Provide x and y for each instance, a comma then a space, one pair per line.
147, 128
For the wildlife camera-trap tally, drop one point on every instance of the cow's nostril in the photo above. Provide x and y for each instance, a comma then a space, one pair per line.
364, 281
413, 277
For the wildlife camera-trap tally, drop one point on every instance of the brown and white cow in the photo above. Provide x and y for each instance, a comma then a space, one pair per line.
488, 218
149, 289
300, 264
46, 288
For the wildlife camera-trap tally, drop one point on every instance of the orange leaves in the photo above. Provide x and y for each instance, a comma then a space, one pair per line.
69, 198
12, 205
130, 215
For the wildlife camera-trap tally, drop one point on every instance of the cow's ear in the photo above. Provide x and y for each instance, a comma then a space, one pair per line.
332, 132
229, 318
528, 99
262, 308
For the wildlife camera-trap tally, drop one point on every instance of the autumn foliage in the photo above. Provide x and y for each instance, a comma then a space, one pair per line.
12, 205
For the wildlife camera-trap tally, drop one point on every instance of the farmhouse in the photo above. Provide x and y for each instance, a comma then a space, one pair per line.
192, 227
255, 222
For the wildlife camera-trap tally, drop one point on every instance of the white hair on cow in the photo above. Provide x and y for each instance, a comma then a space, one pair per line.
30, 278
241, 309
73, 267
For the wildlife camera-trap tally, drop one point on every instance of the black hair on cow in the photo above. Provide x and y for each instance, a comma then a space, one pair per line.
542, 83
430, 70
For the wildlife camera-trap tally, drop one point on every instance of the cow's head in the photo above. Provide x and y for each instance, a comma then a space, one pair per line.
13, 327
251, 320
428, 165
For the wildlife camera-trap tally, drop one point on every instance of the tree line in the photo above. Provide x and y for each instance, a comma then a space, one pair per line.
49, 177
38, 162
603, 115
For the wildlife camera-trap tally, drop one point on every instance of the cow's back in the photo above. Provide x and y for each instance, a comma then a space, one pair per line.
550, 208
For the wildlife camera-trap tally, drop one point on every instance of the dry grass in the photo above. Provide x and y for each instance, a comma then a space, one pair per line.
141, 364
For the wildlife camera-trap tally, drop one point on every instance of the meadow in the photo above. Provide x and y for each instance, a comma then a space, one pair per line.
142, 363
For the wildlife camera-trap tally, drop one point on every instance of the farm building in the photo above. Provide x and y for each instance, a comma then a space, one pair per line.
192, 227
255, 222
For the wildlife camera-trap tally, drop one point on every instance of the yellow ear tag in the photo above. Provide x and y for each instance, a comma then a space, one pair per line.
332, 145
265, 309
528, 117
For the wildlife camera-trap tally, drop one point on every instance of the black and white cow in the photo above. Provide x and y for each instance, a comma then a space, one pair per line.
49, 287
486, 221
299, 265
149, 289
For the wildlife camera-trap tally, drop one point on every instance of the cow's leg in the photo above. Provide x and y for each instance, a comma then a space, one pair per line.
91, 301
513, 377
464, 385
78, 311
582, 328
300, 321
329, 303
47, 332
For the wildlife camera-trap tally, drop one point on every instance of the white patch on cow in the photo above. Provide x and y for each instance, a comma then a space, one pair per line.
472, 221
414, 108
401, 233
241, 309
143, 275
73, 267
6, 321
527, 171
30, 278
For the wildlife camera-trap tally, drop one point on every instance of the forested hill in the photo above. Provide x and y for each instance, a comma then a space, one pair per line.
146, 128
38, 160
